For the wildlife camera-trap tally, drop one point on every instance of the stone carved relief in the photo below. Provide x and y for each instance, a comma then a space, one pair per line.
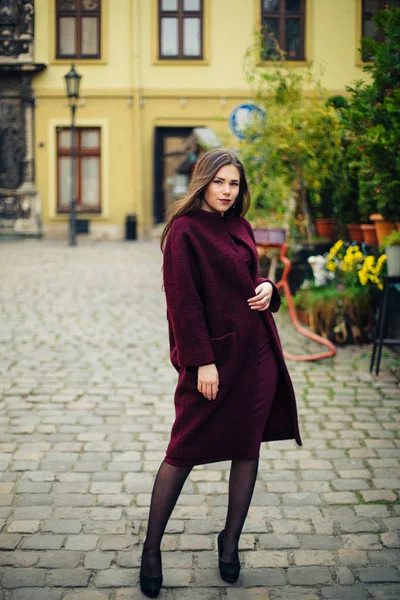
16, 27
12, 145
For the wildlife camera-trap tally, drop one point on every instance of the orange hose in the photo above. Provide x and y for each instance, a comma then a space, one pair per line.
283, 283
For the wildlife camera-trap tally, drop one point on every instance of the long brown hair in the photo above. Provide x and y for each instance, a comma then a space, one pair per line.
204, 172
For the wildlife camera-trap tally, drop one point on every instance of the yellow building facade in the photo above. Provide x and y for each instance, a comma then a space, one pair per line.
140, 105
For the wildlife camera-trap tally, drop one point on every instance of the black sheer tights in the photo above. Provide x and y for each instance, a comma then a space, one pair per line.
242, 480
166, 490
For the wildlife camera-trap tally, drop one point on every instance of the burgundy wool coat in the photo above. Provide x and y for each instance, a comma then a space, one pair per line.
207, 285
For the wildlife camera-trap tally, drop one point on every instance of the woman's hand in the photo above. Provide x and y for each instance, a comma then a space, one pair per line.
207, 381
261, 301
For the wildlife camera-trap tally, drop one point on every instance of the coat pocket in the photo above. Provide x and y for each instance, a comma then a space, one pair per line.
226, 358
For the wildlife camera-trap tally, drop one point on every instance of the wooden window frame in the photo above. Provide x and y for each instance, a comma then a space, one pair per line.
80, 153
382, 4
282, 16
181, 15
78, 14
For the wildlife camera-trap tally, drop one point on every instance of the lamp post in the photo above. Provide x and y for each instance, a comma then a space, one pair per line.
72, 83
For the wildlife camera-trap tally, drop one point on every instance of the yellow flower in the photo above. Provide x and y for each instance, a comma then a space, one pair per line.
331, 265
336, 247
362, 277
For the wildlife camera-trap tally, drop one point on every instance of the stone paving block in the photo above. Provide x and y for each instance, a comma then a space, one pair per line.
15, 578
265, 558
31, 512
190, 593
111, 578
43, 541
114, 499
290, 526
356, 525
105, 487
240, 594
378, 495
353, 557
23, 526
338, 512
353, 592
262, 577
295, 593
278, 541
19, 558
320, 542
302, 512
301, 499
195, 542
349, 484
179, 560
59, 559
391, 539
87, 595
105, 527
106, 514
309, 575
392, 523
385, 557
6, 488
68, 577
207, 560
361, 541
177, 578
35, 594
119, 542
385, 592
339, 498
38, 500
98, 560
344, 576
81, 542
313, 557
62, 526
378, 574
371, 510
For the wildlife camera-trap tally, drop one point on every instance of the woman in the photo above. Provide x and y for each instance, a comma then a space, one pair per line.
233, 390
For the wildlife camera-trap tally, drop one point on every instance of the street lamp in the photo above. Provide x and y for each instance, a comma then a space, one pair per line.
72, 83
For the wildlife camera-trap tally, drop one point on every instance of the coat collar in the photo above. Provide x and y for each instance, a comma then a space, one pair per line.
232, 225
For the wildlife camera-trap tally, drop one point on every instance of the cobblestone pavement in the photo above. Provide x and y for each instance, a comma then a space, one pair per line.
85, 413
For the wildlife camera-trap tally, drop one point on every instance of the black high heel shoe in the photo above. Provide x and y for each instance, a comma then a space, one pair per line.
150, 586
229, 571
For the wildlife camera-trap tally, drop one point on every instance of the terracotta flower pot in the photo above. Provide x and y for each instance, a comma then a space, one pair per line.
383, 228
369, 234
326, 228
355, 233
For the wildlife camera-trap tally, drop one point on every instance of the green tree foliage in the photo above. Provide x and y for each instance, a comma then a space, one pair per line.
293, 151
374, 121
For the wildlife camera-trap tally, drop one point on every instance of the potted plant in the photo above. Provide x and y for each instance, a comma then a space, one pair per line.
323, 210
392, 250
292, 151
340, 300
383, 227
343, 185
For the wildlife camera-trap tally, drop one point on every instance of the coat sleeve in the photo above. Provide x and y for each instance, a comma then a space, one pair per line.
182, 285
275, 303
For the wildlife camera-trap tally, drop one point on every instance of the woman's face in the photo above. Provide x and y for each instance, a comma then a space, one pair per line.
222, 191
